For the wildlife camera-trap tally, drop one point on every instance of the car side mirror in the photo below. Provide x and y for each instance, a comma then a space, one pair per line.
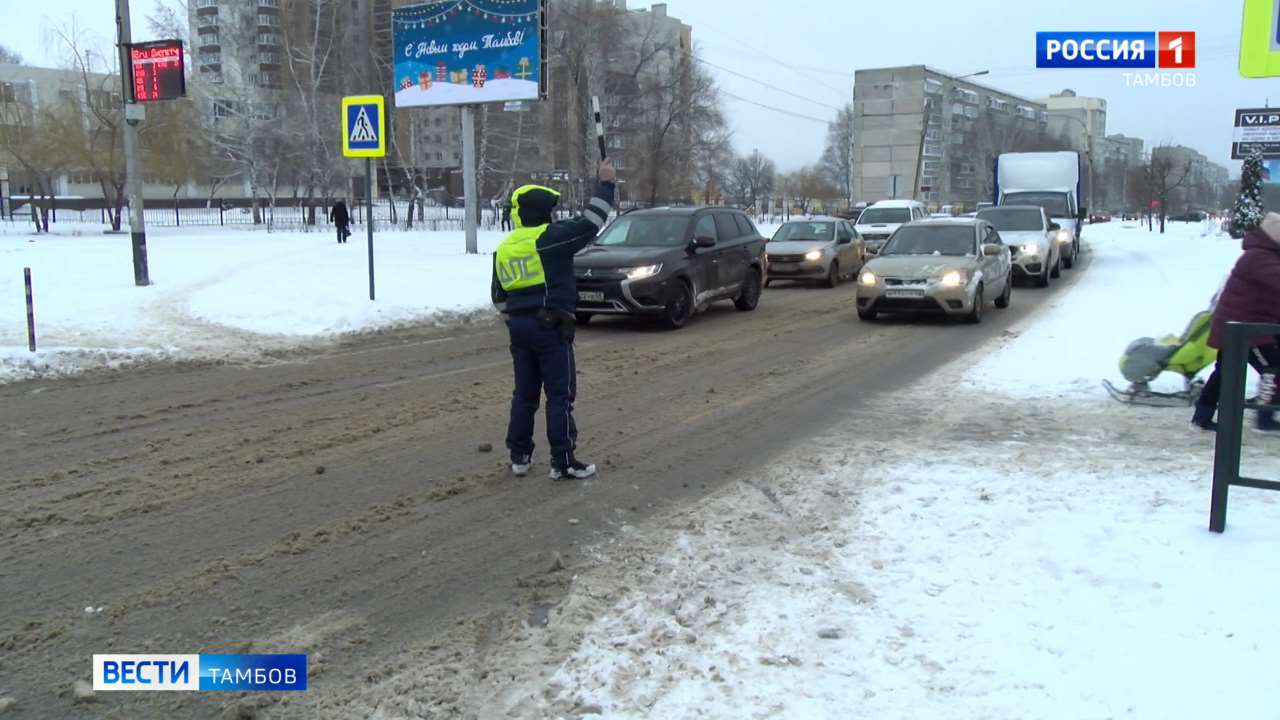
704, 241
844, 241
1054, 226
991, 249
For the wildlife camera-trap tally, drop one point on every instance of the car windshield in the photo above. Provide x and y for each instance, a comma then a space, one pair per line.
645, 232
955, 240
800, 231
1055, 204
1013, 219
884, 215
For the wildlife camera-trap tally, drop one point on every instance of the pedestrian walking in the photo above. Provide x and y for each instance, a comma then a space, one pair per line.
506, 217
1252, 295
535, 289
341, 218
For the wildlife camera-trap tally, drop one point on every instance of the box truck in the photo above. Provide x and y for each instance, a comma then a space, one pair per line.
1051, 180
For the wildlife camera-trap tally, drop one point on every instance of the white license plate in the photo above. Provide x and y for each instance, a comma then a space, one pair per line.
904, 293
591, 295
782, 266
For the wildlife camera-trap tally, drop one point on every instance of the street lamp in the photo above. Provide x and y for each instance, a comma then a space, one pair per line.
1088, 149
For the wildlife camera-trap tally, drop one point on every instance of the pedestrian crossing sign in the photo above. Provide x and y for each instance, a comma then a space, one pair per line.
364, 123
1260, 39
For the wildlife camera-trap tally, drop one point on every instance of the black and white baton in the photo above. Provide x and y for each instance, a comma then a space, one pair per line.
595, 107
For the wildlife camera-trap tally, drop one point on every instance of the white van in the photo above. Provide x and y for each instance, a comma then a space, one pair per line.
878, 221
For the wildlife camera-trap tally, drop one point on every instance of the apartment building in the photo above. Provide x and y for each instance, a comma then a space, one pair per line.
925, 134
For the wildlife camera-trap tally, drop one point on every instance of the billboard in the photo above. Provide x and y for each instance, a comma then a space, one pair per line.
462, 52
1256, 129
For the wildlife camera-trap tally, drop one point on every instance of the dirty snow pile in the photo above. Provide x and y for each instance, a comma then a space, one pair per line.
219, 293
994, 557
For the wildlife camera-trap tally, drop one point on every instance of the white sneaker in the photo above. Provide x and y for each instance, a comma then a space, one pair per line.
520, 467
575, 471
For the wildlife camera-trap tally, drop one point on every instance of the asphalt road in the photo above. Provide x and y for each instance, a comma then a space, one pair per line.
339, 504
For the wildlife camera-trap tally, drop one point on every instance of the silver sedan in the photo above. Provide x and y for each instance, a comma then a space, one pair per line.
825, 249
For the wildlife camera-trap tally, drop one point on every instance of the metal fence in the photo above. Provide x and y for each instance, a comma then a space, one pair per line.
279, 217
1226, 456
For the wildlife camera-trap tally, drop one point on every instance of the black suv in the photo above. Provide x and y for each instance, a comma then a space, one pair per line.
670, 263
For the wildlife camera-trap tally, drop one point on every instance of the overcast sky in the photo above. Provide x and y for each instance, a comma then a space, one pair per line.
810, 48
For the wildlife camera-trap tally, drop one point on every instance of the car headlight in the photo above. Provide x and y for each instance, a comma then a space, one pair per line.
641, 273
952, 279
1064, 236
813, 255
1031, 249
867, 278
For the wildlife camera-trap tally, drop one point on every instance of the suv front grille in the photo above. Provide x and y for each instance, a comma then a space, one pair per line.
786, 258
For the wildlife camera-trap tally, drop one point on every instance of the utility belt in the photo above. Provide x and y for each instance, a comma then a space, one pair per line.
561, 321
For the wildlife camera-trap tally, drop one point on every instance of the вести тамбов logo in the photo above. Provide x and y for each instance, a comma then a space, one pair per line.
206, 672
1160, 59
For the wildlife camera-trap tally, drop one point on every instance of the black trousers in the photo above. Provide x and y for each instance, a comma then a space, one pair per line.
543, 360
1260, 357
344, 232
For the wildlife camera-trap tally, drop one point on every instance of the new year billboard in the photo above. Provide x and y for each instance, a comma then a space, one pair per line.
460, 52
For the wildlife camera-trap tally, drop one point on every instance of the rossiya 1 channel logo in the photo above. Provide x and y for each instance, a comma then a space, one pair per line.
1169, 55
242, 673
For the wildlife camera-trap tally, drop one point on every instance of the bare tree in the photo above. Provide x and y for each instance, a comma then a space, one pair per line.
1166, 175
993, 134
9, 56
837, 156
753, 177
97, 144
35, 138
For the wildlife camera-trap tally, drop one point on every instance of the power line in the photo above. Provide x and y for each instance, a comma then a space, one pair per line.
776, 109
772, 87
806, 75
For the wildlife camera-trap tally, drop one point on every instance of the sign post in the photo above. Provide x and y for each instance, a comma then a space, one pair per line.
364, 122
132, 151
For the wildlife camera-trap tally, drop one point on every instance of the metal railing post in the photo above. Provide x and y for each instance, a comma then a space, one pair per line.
1226, 459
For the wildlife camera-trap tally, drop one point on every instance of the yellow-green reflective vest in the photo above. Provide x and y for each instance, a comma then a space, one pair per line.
518, 264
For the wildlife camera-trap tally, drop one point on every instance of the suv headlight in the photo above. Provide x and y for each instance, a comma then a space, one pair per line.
813, 255
1064, 236
953, 279
867, 278
642, 272
1031, 249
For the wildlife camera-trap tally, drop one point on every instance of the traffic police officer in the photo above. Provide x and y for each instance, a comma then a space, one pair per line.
534, 287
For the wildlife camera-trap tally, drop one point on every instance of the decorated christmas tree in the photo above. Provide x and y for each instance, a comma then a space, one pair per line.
1248, 211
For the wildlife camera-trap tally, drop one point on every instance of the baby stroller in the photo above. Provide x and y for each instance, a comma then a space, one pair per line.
1146, 358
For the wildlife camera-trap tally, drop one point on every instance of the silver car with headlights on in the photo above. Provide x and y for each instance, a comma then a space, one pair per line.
951, 267
820, 248
1032, 239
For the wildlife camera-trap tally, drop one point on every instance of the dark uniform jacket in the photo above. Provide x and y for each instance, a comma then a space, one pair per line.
533, 267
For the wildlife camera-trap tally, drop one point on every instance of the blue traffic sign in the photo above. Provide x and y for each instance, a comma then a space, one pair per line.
364, 126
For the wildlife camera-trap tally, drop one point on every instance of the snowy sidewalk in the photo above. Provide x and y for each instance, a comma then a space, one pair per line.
220, 294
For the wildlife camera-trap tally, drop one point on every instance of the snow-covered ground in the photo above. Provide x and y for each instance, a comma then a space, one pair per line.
219, 293
1138, 284
1006, 555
